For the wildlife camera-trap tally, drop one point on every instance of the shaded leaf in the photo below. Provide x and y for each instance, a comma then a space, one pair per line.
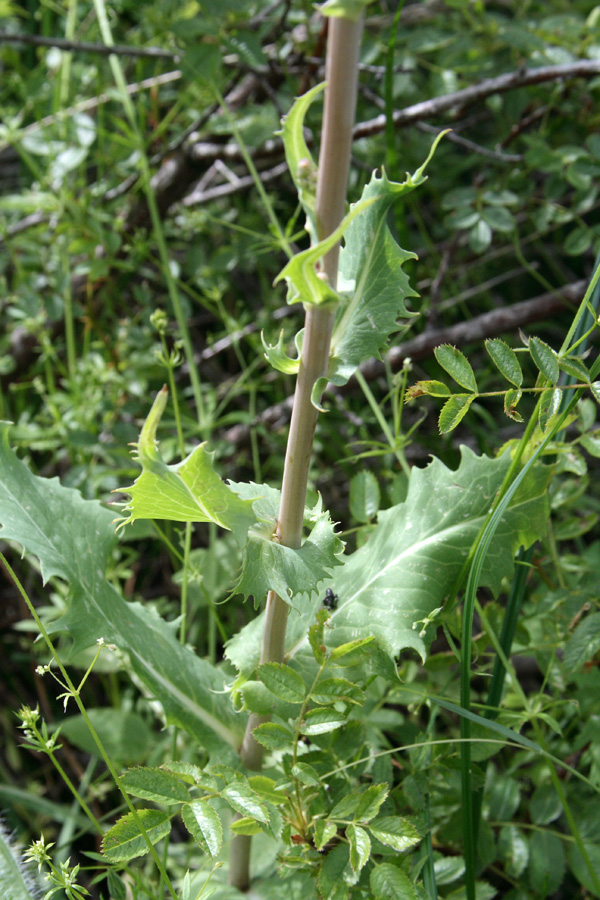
282, 681
390, 883
364, 496
125, 840
324, 831
154, 784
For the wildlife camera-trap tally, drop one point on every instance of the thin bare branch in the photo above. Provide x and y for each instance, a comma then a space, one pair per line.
581, 68
38, 40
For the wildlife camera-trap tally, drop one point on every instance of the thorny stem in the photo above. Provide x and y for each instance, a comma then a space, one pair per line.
334, 163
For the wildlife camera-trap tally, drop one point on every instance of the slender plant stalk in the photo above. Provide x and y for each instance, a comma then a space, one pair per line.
334, 164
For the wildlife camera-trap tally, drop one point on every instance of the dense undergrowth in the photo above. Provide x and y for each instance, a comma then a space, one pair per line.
142, 228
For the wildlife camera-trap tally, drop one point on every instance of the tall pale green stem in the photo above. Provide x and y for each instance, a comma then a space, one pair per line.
334, 164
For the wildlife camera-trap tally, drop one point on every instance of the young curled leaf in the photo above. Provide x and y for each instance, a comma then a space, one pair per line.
277, 356
511, 398
506, 361
453, 411
456, 364
429, 388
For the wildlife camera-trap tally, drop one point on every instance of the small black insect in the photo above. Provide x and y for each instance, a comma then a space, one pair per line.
331, 599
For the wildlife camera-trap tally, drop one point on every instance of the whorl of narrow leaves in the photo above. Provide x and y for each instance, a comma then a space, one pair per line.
457, 366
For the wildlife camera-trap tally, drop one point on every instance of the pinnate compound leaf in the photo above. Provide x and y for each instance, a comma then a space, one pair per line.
204, 824
73, 538
274, 736
545, 359
505, 360
268, 565
320, 721
324, 831
456, 364
125, 840
282, 681
189, 491
549, 406
306, 774
244, 800
156, 785
330, 690
365, 496
395, 832
390, 883
453, 411
412, 560
360, 847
